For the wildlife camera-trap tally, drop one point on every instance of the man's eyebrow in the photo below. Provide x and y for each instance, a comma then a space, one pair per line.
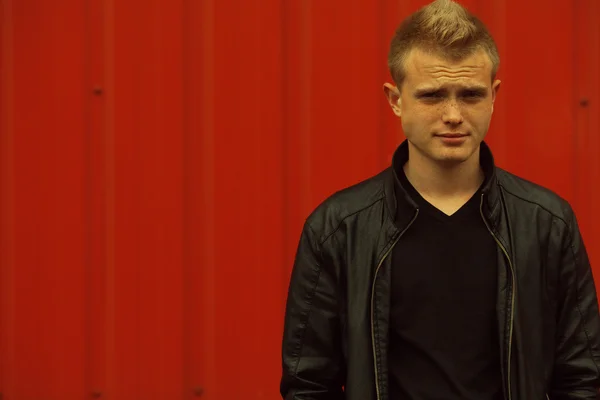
471, 88
475, 88
425, 90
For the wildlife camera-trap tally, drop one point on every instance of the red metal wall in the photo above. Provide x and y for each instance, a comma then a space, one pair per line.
157, 160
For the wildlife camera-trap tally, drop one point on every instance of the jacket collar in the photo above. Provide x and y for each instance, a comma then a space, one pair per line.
403, 207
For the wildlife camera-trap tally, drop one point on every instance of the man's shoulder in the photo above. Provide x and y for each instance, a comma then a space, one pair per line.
527, 192
349, 201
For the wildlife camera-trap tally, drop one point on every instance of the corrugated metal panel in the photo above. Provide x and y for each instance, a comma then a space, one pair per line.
42, 196
241, 84
586, 119
200, 246
99, 195
146, 301
157, 161
7, 239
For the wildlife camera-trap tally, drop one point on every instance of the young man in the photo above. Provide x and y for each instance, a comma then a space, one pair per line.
443, 277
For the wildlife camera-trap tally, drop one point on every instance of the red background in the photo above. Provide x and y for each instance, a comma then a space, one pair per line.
158, 158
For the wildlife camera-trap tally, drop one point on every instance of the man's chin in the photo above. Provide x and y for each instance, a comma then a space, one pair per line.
453, 157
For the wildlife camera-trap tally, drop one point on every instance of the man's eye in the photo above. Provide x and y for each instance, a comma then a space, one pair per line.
432, 95
472, 94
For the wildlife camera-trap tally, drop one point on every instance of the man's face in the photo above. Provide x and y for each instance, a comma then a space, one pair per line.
445, 106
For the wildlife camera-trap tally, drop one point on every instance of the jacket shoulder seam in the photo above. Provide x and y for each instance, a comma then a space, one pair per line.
536, 203
327, 236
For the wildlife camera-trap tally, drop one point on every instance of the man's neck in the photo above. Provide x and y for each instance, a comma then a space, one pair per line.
438, 181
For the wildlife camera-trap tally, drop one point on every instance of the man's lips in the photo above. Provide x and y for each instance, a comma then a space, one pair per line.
452, 135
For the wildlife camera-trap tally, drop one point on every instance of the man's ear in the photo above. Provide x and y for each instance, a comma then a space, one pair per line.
495, 89
392, 93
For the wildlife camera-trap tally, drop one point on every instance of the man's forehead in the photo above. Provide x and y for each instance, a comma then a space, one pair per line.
433, 62
430, 70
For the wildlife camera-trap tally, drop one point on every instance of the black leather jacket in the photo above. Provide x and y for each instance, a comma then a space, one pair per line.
337, 315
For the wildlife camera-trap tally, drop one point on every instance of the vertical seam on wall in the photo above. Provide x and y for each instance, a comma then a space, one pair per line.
7, 233
574, 103
87, 202
185, 235
305, 132
594, 16
285, 176
109, 165
381, 131
207, 135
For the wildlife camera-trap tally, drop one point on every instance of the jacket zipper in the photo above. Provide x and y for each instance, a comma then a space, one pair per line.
512, 302
373, 300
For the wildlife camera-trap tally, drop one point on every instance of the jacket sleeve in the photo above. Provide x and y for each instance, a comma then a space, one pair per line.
577, 358
311, 351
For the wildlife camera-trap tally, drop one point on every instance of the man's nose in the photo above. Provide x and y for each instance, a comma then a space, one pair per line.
452, 113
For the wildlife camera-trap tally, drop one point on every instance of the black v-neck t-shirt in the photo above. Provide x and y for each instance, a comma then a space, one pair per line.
443, 327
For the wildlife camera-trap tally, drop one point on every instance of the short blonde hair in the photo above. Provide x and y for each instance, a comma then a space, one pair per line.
444, 27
